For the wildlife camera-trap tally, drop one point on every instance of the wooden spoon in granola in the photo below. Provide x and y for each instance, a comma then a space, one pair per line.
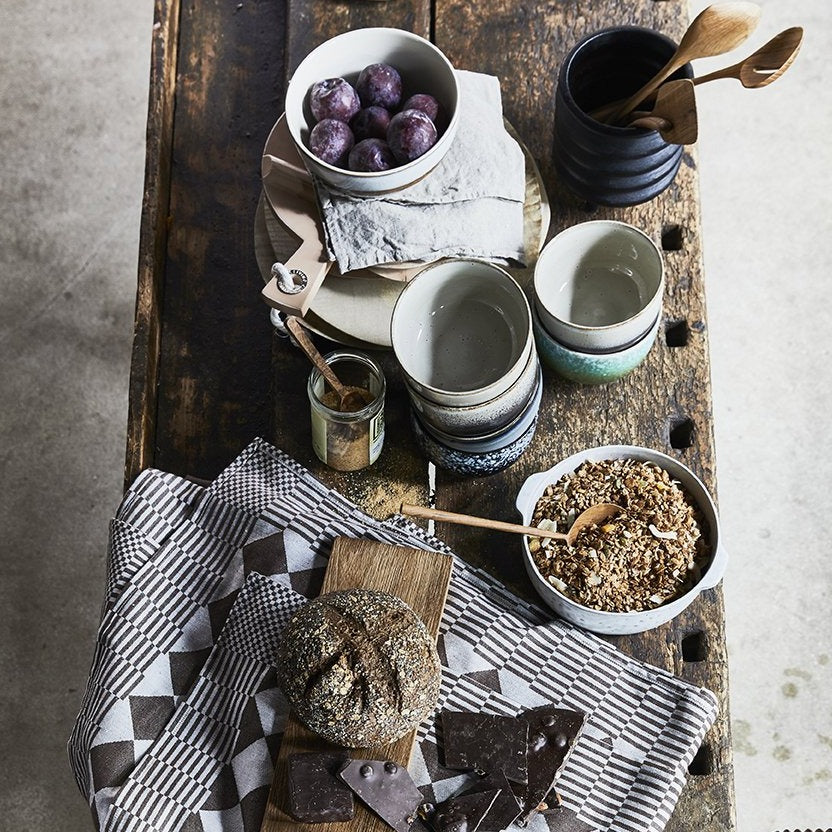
594, 515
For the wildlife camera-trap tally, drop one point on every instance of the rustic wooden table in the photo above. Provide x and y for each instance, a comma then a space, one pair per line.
208, 374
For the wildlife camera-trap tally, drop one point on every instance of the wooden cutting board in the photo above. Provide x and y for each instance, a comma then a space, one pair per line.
421, 580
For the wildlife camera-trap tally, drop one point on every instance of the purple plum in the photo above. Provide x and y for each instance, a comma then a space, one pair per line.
372, 155
430, 107
370, 123
379, 85
333, 98
331, 141
410, 135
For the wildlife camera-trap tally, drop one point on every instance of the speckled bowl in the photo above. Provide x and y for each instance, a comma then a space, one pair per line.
467, 463
622, 623
587, 367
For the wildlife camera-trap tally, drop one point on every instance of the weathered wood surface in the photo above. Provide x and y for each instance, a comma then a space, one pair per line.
421, 580
208, 375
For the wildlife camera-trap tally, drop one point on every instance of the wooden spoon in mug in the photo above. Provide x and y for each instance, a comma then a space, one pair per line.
350, 400
674, 114
759, 69
594, 515
715, 30
764, 66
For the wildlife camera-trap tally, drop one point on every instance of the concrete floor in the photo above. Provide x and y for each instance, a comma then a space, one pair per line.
73, 95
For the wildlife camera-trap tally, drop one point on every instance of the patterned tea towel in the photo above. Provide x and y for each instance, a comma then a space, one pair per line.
182, 718
469, 205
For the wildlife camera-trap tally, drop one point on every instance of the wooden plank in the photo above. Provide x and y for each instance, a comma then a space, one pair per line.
144, 367
421, 580
215, 378
664, 404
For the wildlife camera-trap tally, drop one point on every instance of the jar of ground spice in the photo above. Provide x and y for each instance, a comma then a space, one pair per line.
350, 438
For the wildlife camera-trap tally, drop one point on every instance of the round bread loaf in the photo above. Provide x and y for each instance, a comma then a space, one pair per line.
359, 667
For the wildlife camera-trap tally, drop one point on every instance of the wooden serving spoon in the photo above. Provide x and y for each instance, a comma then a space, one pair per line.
594, 515
350, 400
674, 114
715, 30
764, 66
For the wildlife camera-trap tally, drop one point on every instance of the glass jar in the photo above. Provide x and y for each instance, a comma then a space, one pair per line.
347, 441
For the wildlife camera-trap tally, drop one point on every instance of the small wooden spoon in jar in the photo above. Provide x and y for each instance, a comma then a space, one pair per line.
594, 515
350, 400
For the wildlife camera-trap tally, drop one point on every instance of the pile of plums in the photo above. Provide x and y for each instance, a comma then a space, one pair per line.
363, 128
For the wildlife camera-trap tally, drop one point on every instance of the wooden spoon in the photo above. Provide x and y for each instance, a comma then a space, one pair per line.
715, 30
764, 66
674, 114
350, 400
759, 69
593, 515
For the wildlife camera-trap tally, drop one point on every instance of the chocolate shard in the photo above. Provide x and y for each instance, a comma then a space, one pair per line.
504, 810
486, 743
464, 812
387, 789
316, 795
561, 819
552, 732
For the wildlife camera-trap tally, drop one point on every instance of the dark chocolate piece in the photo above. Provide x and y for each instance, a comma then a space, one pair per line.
552, 731
316, 795
387, 789
561, 819
504, 810
486, 743
464, 812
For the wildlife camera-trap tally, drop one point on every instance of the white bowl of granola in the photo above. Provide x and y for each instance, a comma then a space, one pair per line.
639, 569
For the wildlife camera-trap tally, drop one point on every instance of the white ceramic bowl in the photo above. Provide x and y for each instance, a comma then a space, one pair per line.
423, 69
479, 420
599, 285
462, 332
621, 623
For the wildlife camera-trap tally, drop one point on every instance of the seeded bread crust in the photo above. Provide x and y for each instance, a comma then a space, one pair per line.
359, 667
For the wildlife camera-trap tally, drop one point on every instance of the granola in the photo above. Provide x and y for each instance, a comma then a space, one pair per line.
651, 553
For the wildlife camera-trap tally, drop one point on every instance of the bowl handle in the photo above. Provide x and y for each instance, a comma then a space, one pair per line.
529, 488
716, 570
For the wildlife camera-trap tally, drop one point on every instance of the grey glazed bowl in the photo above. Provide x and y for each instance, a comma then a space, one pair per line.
601, 163
478, 420
462, 332
622, 623
497, 439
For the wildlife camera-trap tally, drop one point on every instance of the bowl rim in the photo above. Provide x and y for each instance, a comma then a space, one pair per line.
494, 388
530, 492
449, 131
607, 328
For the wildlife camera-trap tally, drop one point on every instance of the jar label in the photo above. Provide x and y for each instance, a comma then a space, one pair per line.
376, 435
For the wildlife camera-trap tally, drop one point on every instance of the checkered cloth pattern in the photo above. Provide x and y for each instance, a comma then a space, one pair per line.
182, 716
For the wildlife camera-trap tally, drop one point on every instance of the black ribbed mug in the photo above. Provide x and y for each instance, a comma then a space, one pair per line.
602, 163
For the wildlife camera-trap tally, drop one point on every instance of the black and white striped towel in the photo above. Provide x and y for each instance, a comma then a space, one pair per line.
182, 717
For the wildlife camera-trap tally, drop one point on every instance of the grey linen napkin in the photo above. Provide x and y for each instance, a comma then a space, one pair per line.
182, 717
470, 205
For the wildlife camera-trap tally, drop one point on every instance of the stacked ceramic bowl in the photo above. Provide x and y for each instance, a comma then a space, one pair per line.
462, 334
598, 300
